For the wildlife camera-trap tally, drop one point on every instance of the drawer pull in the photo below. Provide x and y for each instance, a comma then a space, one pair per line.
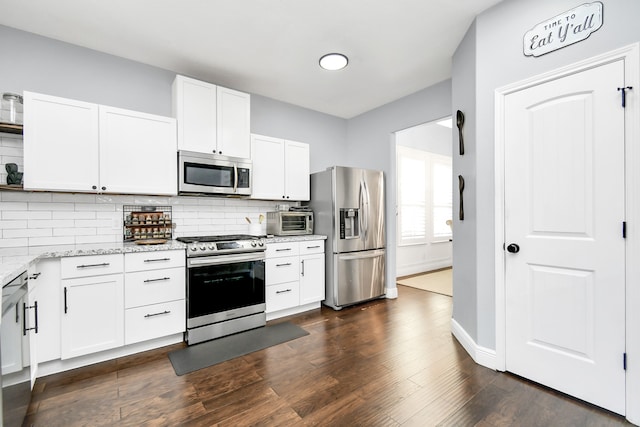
284, 249
157, 314
157, 280
282, 292
283, 265
313, 247
157, 259
104, 264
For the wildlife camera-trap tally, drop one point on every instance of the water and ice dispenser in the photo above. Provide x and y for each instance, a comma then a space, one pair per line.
349, 223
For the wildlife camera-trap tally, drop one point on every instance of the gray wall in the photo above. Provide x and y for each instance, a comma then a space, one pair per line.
497, 52
371, 144
39, 64
465, 308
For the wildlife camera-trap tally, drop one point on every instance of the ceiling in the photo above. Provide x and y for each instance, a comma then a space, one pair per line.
270, 47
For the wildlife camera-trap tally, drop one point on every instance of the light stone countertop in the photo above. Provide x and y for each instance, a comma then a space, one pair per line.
14, 261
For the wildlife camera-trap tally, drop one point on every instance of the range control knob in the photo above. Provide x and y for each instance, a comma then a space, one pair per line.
253, 243
203, 247
260, 243
212, 246
193, 248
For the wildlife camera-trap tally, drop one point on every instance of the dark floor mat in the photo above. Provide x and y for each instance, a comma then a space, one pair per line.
209, 353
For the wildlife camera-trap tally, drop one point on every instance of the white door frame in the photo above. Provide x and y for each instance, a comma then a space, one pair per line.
631, 56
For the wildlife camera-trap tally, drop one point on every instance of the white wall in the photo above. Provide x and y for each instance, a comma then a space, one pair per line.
417, 258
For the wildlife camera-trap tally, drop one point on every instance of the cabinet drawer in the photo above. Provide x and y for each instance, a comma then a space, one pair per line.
282, 296
280, 270
281, 249
152, 287
311, 247
140, 261
154, 321
92, 265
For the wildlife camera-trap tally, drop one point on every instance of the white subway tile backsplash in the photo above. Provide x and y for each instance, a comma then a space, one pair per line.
26, 232
12, 206
50, 223
64, 218
13, 243
75, 231
22, 196
8, 225
73, 215
26, 215
42, 206
46, 241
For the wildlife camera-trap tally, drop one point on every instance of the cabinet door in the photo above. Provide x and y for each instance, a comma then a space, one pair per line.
234, 123
268, 168
195, 108
93, 314
311, 278
137, 152
11, 337
296, 171
60, 144
49, 309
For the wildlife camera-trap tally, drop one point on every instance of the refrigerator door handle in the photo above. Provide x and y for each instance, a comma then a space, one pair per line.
364, 205
361, 255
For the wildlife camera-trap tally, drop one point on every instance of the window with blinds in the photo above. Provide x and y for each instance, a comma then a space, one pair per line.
424, 196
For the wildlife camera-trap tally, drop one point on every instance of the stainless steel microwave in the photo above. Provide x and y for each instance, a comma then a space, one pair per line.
283, 223
200, 173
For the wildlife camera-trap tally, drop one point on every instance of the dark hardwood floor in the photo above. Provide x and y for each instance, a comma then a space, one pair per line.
383, 363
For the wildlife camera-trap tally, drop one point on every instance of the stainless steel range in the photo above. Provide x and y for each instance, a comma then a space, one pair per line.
225, 285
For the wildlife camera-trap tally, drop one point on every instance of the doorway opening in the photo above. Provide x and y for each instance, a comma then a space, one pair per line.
424, 206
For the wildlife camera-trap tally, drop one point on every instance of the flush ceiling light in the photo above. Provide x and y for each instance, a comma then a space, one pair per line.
333, 61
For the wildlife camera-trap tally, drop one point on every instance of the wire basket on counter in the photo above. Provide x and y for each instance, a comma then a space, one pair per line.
144, 223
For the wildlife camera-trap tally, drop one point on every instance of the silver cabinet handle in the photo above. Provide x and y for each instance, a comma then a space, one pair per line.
104, 264
302, 272
157, 314
313, 247
157, 280
282, 292
283, 265
281, 250
157, 259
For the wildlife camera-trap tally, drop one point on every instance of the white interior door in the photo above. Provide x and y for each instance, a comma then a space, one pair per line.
564, 209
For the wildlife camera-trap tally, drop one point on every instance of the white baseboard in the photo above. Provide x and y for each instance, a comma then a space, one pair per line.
408, 270
481, 355
391, 293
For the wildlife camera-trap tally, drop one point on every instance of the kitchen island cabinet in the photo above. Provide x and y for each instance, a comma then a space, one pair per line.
76, 146
280, 169
212, 119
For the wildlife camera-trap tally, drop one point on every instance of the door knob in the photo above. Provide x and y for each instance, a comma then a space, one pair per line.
513, 248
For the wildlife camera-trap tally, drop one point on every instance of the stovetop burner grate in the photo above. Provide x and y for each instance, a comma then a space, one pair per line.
220, 238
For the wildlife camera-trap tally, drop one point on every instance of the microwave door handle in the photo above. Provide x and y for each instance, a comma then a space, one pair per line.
235, 178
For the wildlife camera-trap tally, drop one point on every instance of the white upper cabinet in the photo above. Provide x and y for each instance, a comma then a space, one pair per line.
77, 146
195, 108
234, 123
212, 119
60, 144
280, 169
146, 144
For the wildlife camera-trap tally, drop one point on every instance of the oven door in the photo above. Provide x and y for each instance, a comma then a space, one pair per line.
200, 173
224, 287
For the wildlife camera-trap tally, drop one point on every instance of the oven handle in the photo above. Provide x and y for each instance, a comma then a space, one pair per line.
226, 259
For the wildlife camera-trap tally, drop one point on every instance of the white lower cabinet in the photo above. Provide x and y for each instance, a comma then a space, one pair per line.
92, 304
154, 295
294, 276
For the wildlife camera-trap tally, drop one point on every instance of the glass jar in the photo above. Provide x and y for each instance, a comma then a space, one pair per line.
11, 108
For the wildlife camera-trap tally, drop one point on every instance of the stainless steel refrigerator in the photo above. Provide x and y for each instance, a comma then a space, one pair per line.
348, 207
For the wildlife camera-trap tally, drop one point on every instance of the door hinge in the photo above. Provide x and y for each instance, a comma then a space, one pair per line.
624, 94
624, 361
624, 229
